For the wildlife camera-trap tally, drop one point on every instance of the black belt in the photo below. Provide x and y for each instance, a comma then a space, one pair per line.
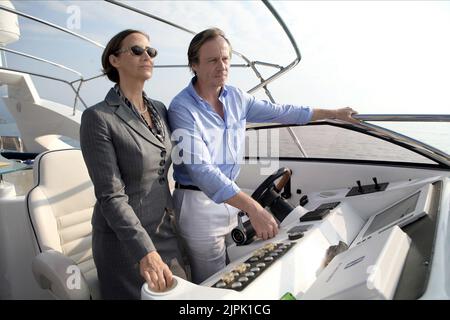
182, 186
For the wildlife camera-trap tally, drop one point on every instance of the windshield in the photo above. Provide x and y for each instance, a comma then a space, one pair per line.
435, 134
325, 141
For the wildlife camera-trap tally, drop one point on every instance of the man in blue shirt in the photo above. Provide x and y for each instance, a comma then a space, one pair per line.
208, 120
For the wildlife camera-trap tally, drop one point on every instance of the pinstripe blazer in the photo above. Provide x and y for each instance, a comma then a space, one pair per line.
128, 167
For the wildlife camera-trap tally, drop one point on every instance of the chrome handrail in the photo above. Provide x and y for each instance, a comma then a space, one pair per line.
266, 64
2, 7
234, 65
52, 25
248, 63
165, 21
377, 117
293, 43
48, 77
77, 91
41, 60
149, 15
404, 117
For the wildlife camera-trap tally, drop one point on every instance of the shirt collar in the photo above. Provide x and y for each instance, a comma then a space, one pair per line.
199, 99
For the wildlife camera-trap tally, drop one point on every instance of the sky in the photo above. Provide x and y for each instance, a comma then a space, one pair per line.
375, 56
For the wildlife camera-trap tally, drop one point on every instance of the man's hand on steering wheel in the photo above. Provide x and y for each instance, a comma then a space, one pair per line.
263, 222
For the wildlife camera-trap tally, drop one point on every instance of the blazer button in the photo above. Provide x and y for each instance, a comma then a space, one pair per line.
163, 154
162, 162
162, 180
161, 171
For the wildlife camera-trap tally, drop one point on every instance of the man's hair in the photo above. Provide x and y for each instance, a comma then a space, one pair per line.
198, 41
111, 48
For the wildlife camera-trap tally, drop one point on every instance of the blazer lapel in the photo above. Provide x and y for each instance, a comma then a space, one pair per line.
127, 115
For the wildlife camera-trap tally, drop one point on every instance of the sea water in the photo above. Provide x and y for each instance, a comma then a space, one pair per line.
435, 134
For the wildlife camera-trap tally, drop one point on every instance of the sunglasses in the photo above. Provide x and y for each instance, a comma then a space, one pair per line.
137, 51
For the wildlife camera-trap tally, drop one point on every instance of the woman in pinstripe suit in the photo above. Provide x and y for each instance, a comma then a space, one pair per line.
126, 145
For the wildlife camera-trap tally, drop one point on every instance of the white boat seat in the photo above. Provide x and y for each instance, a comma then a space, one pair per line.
60, 207
51, 142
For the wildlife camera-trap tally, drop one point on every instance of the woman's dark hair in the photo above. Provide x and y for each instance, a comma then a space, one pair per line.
199, 39
111, 48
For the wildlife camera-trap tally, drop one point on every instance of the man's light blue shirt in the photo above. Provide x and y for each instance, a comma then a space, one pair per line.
210, 148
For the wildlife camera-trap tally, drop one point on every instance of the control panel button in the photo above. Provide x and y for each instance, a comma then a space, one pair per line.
259, 261
221, 284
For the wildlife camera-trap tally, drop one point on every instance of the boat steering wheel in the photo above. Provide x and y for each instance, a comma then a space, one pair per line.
268, 185
268, 195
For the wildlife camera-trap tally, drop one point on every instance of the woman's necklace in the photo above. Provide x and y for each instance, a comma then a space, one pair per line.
143, 111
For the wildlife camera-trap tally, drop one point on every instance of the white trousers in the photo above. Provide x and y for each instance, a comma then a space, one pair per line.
205, 227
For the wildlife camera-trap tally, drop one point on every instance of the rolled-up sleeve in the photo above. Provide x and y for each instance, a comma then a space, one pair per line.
265, 111
190, 155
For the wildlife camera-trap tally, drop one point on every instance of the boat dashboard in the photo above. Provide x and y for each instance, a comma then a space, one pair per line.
369, 242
